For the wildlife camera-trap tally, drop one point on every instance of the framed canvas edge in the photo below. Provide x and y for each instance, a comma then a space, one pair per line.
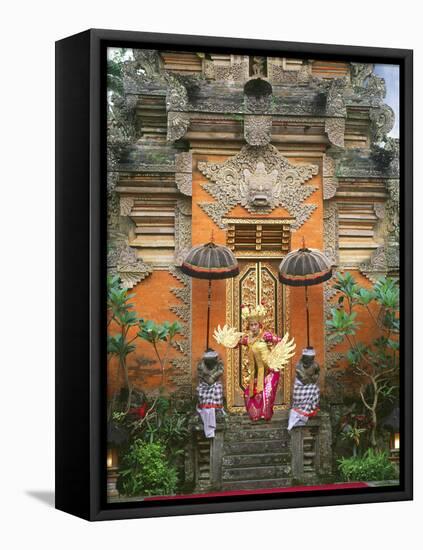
95, 170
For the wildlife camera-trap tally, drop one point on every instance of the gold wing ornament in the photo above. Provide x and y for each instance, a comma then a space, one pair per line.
227, 336
281, 354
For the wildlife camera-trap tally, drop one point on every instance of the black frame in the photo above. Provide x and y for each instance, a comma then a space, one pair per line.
80, 274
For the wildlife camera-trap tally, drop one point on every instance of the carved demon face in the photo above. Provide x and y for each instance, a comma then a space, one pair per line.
258, 188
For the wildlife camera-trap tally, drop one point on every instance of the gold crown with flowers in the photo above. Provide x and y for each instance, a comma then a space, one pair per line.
258, 313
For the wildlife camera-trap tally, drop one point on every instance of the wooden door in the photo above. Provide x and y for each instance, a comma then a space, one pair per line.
256, 283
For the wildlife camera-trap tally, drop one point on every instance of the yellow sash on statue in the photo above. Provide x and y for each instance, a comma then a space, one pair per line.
258, 353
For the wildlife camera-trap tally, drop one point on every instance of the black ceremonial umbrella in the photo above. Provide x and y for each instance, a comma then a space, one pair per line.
210, 261
305, 267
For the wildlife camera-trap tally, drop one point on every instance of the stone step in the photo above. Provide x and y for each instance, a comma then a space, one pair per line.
254, 446
246, 421
257, 434
268, 459
255, 484
255, 472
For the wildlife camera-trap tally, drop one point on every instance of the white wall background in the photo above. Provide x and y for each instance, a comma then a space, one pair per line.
28, 31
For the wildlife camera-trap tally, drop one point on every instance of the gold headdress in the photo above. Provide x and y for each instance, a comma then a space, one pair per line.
257, 313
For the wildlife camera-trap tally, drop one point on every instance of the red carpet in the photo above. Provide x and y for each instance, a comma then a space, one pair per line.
327, 487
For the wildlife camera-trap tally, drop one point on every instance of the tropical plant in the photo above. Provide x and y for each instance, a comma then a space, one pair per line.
372, 466
158, 334
123, 318
375, 363
353, 434
114, 70
145, 470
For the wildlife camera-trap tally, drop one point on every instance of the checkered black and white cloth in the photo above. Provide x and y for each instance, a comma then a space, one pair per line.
305, 398
210, 395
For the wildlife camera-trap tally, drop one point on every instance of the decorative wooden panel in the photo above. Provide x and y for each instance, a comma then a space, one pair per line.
249, 237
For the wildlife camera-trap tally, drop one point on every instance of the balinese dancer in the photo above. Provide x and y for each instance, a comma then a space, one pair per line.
306, 393
267, 356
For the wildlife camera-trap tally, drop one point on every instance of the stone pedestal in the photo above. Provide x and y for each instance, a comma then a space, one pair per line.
112, 475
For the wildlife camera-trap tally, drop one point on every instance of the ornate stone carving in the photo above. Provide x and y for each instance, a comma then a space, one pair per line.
335, 102
236, 71
376, 88
335, 130
123, 261
330, 231
240, 68
177, 95
177, 125
383, 260
277, 74
360, 72
330, 182
148, 61
222, 72
126, 204
144, 69
258, 66
382, 121
260, 179
392, 209
257, 96
257, 104
379, 209
183, 235
183, 172
121, 127
257, 129
208, 69
113, 207
181, 365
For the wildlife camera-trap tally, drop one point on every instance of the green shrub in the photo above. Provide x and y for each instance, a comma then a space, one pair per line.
145, 471
372, 466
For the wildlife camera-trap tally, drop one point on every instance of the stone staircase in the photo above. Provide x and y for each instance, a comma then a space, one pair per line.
247, 455
256, 455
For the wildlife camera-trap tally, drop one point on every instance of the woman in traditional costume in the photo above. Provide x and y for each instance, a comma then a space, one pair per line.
267, 356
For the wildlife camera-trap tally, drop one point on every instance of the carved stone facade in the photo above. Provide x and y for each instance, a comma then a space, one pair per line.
201, 142
260, 179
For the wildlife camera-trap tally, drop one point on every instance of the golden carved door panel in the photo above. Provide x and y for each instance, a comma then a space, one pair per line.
256, 283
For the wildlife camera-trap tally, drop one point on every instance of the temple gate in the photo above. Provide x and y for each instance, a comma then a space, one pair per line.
259, 152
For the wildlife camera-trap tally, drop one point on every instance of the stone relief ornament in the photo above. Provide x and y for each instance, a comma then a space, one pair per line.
330, 231
121, 127
183, 234
335, 102
181, 372
384, 259
237, 71
330, 182
183, 172
258, 95
335, 130
177, 125
258, 65
177, 95
123, 261
148, 61
260, 179
382, 121
360, 73
126, 205
257, 129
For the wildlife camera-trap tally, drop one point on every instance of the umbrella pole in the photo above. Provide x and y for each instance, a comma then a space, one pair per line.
307, 316
208, 314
